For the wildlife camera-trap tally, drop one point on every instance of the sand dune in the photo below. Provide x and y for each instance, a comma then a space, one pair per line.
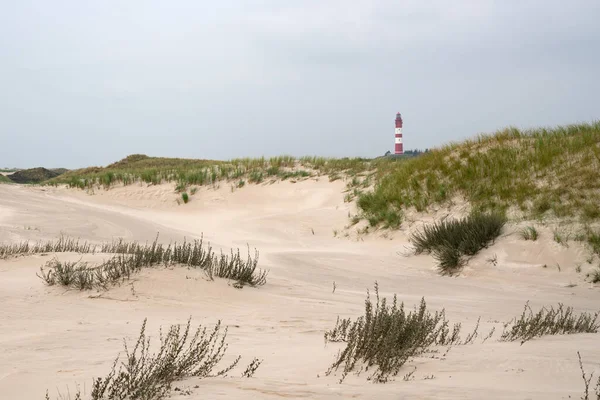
51, 338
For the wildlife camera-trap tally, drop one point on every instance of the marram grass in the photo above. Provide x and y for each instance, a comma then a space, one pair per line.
450, 241
544, 172
185, 172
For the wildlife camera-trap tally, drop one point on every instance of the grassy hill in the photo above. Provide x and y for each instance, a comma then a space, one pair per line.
4, 179
33, 175
155, 170
544, 172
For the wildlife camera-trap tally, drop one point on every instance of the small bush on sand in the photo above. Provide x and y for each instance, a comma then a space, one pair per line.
529, 233
185, 197
451, 240
183, 353
387, 336
559, 321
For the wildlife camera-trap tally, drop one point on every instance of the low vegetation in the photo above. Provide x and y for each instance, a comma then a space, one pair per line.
132, 257
187, 172
593, 239
4, 179
387, 336
450, 241
183, 353
549, 321
35, 175
529, 233
594, 275
62, 245
537, 173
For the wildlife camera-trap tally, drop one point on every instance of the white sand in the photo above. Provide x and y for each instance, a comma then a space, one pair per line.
51, 338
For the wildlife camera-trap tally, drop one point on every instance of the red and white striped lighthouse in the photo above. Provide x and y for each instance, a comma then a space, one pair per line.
398, 148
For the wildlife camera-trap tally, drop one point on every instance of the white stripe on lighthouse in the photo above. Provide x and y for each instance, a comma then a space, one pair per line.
398, 140
398, 131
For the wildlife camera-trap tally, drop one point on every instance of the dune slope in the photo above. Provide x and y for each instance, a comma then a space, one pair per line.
52, 338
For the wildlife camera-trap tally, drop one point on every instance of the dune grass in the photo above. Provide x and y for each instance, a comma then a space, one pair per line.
529, 233
539, 172
387, 336
549, 321
593, 240
183, 353
131, 257
185, 172
450, 241
4, 179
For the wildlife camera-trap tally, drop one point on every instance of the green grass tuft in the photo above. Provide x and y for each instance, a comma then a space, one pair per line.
185, 197
593, 239
529, 233
451, 240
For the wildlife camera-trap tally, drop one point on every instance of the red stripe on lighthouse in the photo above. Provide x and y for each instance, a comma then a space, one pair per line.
398, 147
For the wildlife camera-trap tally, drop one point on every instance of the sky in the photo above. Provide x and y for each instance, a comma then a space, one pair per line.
86, 83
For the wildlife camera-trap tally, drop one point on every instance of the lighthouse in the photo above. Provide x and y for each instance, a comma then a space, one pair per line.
398, 150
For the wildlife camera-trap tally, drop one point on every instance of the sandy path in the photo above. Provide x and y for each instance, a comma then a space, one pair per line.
51, 338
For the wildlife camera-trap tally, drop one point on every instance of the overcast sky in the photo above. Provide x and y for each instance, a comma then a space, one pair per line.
87, 82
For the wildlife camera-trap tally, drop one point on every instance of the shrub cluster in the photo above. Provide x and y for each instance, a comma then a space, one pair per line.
183, 353
451, 240
387, 336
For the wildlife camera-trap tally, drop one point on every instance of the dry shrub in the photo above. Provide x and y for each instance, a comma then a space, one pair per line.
552, 321
387, 336
183, 353
131, 257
